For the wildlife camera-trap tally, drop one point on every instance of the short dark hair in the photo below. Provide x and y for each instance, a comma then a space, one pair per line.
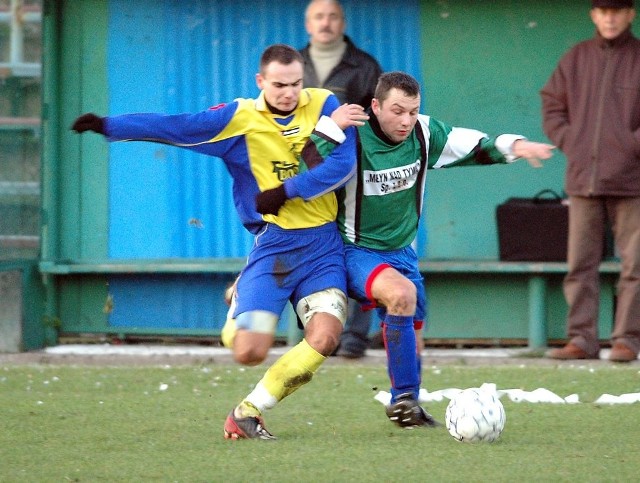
396, 80
612, 4
281, 53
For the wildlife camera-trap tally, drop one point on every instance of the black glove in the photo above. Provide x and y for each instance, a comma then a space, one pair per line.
89, 122
270, 201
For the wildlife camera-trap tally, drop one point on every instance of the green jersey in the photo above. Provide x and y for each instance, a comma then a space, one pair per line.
380, 206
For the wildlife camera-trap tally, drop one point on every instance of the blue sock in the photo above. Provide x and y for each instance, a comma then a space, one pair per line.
400, 343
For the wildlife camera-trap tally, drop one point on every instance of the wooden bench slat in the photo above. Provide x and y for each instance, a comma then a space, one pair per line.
226, 265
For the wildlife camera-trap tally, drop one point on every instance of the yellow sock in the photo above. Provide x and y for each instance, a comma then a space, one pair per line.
228, 333
245, 409
294, 369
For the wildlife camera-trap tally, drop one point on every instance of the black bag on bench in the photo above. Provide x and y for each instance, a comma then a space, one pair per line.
533, 229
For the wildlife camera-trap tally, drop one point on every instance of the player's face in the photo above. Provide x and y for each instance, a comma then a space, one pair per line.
324, 22
281, 84
397, 114
611, 22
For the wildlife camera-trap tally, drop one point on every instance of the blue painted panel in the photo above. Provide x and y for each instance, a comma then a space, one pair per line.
165, 301
171, 56
176, 57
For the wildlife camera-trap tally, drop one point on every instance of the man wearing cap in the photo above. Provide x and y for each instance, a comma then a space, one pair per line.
591, 111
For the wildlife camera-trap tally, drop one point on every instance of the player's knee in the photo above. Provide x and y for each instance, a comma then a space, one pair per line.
248, 355
401, 298
254, 337
323, 333
324, 343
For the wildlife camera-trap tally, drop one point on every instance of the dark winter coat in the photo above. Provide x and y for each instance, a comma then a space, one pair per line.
353, 80
591, 111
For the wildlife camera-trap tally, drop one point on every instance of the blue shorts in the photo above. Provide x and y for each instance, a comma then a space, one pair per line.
364, 264
287, 265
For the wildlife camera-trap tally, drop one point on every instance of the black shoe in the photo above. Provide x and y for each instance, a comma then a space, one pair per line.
406, 412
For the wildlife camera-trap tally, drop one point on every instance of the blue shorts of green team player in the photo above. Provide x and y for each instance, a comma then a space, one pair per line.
364, 264
303, 266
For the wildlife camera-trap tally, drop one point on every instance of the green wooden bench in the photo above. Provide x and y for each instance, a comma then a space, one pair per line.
535, 273
166, 265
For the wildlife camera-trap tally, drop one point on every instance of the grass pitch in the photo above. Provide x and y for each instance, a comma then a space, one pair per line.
71, 423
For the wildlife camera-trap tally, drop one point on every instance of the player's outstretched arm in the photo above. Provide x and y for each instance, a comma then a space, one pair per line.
194, 131
532, 151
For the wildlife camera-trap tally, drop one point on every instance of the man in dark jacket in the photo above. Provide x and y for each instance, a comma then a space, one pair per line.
591, 111
333, 62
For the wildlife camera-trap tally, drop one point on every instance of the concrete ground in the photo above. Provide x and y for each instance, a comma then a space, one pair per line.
149, 354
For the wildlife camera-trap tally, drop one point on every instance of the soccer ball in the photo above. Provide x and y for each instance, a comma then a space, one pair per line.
475, 415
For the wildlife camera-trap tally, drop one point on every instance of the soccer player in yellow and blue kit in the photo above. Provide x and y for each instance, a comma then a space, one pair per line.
289, 206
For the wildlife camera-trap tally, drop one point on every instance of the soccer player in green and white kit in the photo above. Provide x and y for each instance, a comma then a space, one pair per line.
378, 214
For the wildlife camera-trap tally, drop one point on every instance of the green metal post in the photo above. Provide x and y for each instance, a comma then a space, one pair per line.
537, 312
50, 152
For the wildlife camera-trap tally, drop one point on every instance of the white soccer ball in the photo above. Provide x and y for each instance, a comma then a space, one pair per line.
475, 415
